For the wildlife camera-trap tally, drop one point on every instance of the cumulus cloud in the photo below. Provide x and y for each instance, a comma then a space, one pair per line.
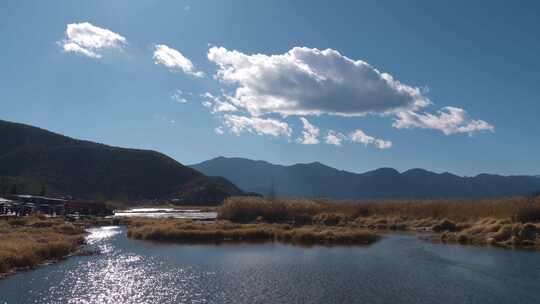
216, 104
306, 81
261, 126
360, 137
334, 138
449, 120
90, 40
310, 134
174, 60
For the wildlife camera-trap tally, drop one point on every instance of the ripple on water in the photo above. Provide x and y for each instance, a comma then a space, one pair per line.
118, 276
398, 269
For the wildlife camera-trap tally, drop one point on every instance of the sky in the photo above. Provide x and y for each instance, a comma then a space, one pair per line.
449, 86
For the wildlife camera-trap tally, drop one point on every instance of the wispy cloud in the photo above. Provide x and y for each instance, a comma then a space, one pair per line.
179, 96
334, 138
261, 126
219, 130
217, 104
359, 136
174, 60
310, 134
449, 120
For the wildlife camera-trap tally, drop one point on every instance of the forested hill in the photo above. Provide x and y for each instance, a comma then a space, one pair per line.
85, 169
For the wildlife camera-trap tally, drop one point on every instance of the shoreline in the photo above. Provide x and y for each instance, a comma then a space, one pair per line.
508, 223
35, 241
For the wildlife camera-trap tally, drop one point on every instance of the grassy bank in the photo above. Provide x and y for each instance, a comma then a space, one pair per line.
508, 222
31, 241
184, 231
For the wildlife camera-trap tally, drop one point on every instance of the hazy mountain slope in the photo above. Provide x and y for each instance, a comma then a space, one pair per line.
318, 180
91, 170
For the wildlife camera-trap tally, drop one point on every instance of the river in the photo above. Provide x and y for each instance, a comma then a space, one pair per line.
397, 269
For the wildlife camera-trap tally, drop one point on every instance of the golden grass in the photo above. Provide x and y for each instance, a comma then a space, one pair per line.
28, 242
496, 232
294, 211
502, 221
185, 231
248, 209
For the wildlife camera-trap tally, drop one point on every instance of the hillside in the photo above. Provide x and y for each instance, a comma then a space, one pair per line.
90, 170
318, 180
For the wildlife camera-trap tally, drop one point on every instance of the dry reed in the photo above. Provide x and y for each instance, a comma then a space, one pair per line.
28, 242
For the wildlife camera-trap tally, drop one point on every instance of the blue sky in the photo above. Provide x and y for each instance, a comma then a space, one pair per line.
442, 86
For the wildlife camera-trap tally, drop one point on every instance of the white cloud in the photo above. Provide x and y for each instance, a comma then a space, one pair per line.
307, 81
187, 8
261, 126
216, 104
179, 96
360, 137
89, 40
334, 138
219, 130
174, 60
310, 134
449, 120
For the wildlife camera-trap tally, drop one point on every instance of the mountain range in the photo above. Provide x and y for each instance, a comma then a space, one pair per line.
318, 180
33, 158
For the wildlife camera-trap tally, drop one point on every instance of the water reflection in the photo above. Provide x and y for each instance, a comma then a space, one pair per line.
99, 234
120, 276
167, 213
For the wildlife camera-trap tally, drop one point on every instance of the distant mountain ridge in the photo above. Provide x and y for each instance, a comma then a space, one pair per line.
318, 180
90, 170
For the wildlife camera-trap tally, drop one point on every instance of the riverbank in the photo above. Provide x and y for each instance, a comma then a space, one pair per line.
31, 241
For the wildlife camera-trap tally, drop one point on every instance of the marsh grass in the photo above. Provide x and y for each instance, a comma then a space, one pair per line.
184, 231
248, 209
504, 222
30, 241
293, 211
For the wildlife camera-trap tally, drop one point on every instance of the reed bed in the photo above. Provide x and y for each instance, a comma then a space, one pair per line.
248, 209
30, 241
507, 222
185, 231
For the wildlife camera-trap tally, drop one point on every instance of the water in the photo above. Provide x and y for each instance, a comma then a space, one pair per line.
398, 269
167, 213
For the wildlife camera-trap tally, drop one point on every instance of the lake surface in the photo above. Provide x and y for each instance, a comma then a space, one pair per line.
398, 269
193, 214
